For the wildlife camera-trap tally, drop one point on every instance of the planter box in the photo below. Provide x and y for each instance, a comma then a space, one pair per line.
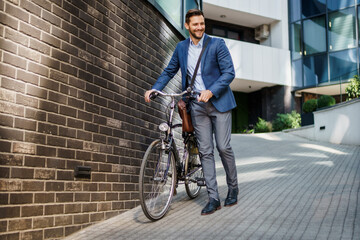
307, 119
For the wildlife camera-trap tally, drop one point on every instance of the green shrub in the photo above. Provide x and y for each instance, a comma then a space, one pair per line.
309, 106
286, 121
325, 101
353, 89
263, 126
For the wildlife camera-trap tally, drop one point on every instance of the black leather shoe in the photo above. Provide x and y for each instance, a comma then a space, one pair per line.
211, 207
231, 198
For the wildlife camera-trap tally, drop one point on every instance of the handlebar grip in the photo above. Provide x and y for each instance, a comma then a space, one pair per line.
153, 95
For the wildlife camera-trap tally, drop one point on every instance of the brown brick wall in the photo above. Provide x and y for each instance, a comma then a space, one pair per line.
72, 79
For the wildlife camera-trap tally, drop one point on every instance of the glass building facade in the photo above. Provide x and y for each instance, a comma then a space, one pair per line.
175, 10
324, 41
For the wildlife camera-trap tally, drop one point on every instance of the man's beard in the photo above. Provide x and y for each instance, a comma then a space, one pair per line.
194, 35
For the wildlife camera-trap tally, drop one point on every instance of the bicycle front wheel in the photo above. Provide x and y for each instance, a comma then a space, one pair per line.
193, 170
157, 180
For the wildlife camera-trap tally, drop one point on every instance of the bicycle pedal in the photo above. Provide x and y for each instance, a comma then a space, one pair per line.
200, 182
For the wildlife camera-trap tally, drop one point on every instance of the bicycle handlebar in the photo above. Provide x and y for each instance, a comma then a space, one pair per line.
155, 93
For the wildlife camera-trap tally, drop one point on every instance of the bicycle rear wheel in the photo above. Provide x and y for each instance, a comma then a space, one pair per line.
193, 170
157, 180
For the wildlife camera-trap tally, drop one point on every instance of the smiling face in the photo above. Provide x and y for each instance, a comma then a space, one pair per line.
196, 27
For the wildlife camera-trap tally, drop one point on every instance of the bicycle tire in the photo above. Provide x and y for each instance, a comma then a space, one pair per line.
155, 189
192, 162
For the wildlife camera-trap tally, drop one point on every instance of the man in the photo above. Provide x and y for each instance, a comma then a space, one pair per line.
211, 112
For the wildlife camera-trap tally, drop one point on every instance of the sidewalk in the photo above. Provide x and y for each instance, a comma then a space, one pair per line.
290, 188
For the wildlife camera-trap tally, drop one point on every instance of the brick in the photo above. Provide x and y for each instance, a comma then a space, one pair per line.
25, 124
55, 186
54, 233
45, 151
23, 173
47, 128
44, 197
49, 84
56, 141
32, 186
82, 197
21, 198
39, 46
65, 175
66, 153
44, 174
68, 111
4, 198
27, 100
95, 217
63, 220
5, 147
7, 70
27, 77
58, 76
11, 134
19, 224
30, 54
26, 148
83, 218
51, 18
72, 208
31, 7
30, 30
36, 234
9, 185
55, 163
54, 209
67, 132
50, 62
90, 187
72, 143
14, 60
12, 84
35, 138
30, 211
9, 212
7, 20
3, 226
89, 207
73, 186
43, 222
64, 197
40, 23
62, 56
7, 45
38, 69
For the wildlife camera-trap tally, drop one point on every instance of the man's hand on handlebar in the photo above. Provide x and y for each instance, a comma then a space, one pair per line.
205, 96
147, 95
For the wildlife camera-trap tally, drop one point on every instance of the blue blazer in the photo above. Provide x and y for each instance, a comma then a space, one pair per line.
217, 71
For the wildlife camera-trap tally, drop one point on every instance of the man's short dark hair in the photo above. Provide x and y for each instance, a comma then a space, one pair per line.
193, 12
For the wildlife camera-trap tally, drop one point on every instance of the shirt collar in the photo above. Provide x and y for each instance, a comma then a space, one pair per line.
200, 42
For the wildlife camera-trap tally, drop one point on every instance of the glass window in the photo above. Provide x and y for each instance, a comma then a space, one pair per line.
343, 65
296, 69
295, 32
315, 70
342, 32
172, 8
336, 4
233, 35
218, 32
191, 4
314, 35
313, 7
294, 10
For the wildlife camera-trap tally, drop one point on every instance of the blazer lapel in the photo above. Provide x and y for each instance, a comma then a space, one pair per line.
205, 52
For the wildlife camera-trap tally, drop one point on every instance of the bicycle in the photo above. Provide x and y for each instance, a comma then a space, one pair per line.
162, 169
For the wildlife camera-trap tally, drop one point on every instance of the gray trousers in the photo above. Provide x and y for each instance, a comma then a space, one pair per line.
209, 122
